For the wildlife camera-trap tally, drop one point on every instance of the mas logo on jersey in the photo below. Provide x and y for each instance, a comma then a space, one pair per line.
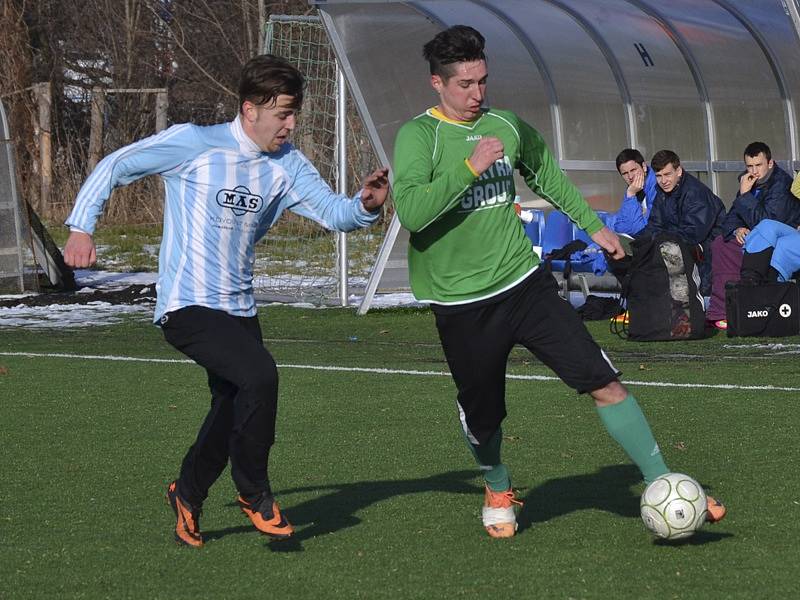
240, 200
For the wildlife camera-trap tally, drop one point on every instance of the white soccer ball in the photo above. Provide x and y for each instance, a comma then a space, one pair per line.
673, 506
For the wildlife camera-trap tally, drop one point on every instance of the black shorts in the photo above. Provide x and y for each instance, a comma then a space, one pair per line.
477, 342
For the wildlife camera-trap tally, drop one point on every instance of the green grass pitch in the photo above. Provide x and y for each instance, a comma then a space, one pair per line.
371, 469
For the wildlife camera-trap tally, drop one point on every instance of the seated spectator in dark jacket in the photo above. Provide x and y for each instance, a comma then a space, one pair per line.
764, 193
686, 208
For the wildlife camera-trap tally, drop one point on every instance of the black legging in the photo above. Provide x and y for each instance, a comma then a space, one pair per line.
243, 379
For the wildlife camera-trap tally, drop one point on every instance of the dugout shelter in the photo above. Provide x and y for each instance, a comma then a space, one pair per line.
701, 77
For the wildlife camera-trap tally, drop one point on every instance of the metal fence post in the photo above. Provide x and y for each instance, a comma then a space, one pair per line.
341, 185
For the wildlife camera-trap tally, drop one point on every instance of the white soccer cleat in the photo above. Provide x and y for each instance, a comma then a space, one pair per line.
499, 514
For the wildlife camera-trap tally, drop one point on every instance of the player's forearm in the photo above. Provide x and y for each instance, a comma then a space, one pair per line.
331, 210
420, 203
311, 197
544, 177
563, 194
348, 214
92, 196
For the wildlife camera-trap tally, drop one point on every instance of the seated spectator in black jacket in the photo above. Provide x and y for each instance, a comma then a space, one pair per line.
686, 208
764, 193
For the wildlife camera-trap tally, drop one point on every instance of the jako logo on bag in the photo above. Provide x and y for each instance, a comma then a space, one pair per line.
240, 200
757, 314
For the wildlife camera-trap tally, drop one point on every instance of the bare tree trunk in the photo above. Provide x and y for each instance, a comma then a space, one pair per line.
45, 101
96, 135
162, 105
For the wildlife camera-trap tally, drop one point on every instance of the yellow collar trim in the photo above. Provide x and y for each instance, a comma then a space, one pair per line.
435, 112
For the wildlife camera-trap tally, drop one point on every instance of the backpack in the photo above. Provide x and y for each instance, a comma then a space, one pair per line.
661, 291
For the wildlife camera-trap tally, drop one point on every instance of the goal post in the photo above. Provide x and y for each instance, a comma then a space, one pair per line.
26, 248
299, 260
12, 265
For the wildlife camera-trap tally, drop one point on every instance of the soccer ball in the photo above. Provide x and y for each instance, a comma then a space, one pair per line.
673, 506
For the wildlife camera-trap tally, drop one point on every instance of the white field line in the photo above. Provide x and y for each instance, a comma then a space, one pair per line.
662, 384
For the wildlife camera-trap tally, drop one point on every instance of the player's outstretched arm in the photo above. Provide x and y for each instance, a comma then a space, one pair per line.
609, 242
79, 251
375, 189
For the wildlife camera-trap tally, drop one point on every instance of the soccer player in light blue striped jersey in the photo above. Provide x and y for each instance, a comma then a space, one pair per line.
225, 186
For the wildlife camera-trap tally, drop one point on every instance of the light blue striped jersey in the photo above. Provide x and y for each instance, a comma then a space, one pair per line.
222, 195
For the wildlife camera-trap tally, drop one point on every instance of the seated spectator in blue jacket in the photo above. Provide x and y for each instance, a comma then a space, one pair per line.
632, 215
686, 208
764, 193
771, 253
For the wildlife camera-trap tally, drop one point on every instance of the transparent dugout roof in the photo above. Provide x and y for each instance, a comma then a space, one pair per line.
701, 77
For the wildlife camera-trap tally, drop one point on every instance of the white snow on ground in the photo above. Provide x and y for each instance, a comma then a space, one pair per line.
104, 280
389, 300
79, 315
104, 313
68, 315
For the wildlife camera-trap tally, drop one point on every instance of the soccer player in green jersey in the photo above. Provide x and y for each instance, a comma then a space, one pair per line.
470, 259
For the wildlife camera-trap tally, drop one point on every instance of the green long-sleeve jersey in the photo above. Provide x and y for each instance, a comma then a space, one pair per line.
466, 241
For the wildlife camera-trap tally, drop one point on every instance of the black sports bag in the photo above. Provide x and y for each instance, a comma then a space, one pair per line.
766, 309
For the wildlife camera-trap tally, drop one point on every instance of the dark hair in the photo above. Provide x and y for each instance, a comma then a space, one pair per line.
628, 155
460, 43
755, 148
662, 158
265, 77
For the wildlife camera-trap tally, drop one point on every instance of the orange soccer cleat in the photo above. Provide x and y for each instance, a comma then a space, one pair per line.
716, 510
187, 527
265, 514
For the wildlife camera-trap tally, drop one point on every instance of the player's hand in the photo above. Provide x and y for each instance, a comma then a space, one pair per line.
79, 251
636, 186
375, 189
608, 241
488, 150
741, 234
747, 182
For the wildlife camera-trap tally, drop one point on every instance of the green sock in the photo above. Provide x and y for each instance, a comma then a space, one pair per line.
487, 456
626, 423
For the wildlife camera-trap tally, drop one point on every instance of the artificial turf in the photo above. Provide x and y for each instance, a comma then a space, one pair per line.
371, 469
